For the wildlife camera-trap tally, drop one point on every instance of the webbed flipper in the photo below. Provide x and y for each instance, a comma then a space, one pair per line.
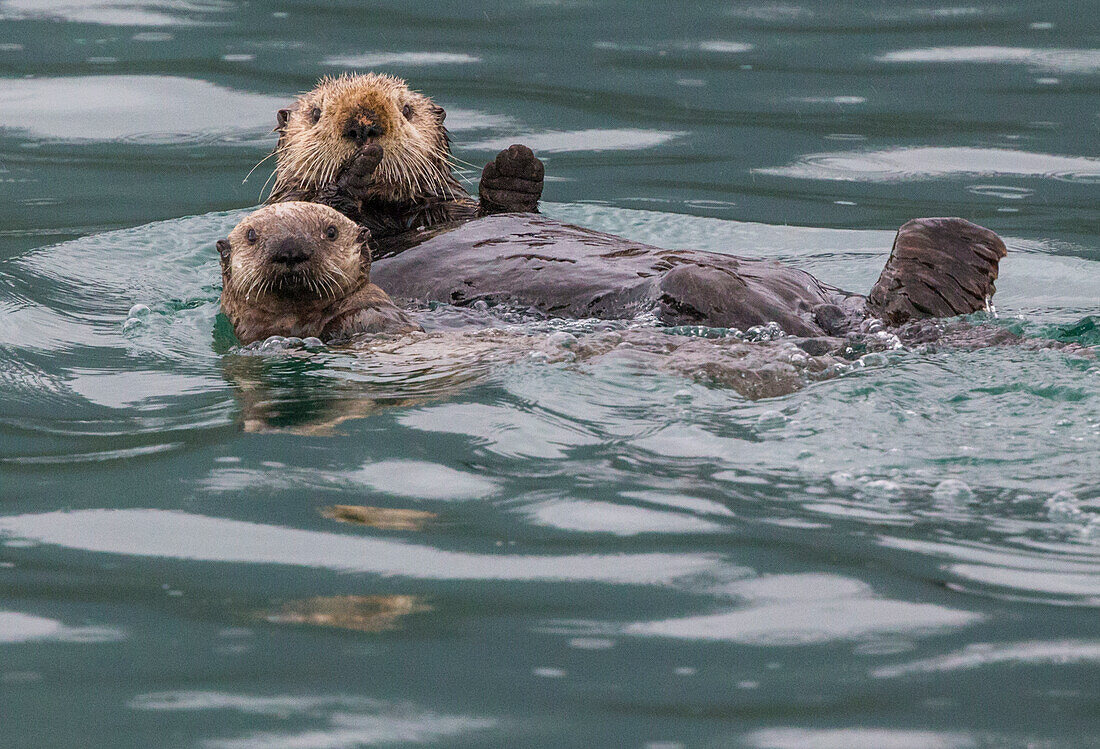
938, 267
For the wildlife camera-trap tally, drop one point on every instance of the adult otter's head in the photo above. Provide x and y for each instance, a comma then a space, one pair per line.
329, 125
297, 252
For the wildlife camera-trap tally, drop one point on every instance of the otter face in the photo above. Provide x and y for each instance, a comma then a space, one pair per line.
327, 126
294, 250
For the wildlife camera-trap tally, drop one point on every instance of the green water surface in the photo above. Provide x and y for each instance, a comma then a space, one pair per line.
561, 553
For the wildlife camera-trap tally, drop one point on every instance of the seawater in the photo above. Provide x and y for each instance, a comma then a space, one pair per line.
459, 543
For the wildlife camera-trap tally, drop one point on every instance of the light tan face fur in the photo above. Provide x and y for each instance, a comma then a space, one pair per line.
314, 143
337, 262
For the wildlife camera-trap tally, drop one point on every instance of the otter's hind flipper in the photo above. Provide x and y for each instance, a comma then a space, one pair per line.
938, 267
512, 183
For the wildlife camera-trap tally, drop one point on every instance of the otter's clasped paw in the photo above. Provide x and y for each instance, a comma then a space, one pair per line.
357, 176
512, 182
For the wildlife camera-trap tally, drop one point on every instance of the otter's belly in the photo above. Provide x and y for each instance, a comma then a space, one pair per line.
562, 270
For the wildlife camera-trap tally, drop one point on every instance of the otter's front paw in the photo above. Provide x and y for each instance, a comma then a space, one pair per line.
357, 176
512, 182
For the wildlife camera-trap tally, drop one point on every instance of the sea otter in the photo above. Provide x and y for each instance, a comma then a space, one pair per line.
303, 269
378, 152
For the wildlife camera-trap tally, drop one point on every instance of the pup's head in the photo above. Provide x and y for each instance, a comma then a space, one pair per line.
328, 125
294, 250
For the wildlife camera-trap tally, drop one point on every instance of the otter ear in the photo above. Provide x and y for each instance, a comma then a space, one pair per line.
223, 251
281, 117
364, 236
439, 112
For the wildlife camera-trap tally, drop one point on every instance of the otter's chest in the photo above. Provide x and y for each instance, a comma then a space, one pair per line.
562, 270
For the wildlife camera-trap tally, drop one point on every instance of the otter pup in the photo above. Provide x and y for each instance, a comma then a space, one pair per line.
376, 151
303, 269
379, 153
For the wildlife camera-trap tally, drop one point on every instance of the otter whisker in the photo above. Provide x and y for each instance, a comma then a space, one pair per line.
257, 166
454, 158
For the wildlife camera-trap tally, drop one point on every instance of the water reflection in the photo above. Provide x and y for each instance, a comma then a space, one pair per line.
372, 60
118, 12
339, 721
354, 613
137, 108
620, 520
625, 139
1085, 61
382, 518
410, 479
17, 627
986, 654
790, 610
932, 162
178, 535
860, 738
1068, 577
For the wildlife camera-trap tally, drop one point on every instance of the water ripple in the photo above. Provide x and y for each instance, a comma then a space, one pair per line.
371, 60
177, 535
932, 162
1085, 61
150, 109
17, 627
791, 610
623, 139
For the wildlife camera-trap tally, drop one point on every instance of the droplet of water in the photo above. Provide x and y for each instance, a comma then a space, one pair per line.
562, 339
770, 332
548, 672
591, 643
842, 479
1064, 507
1091, 530
882, 488
771, 419
870, 325
274, 343
138, 310
953, 490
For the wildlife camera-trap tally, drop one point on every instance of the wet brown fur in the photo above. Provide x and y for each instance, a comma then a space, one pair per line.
412, 186
328, 295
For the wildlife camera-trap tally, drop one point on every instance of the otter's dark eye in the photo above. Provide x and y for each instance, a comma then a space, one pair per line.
315, 115
251, 235
331, 232
407, 111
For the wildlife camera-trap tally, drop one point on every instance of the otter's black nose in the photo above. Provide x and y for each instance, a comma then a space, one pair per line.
363, 127
290, 252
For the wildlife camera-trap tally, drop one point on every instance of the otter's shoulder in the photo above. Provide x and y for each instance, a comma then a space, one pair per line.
369, 310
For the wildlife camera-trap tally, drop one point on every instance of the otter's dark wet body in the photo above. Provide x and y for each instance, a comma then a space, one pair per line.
562, 270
